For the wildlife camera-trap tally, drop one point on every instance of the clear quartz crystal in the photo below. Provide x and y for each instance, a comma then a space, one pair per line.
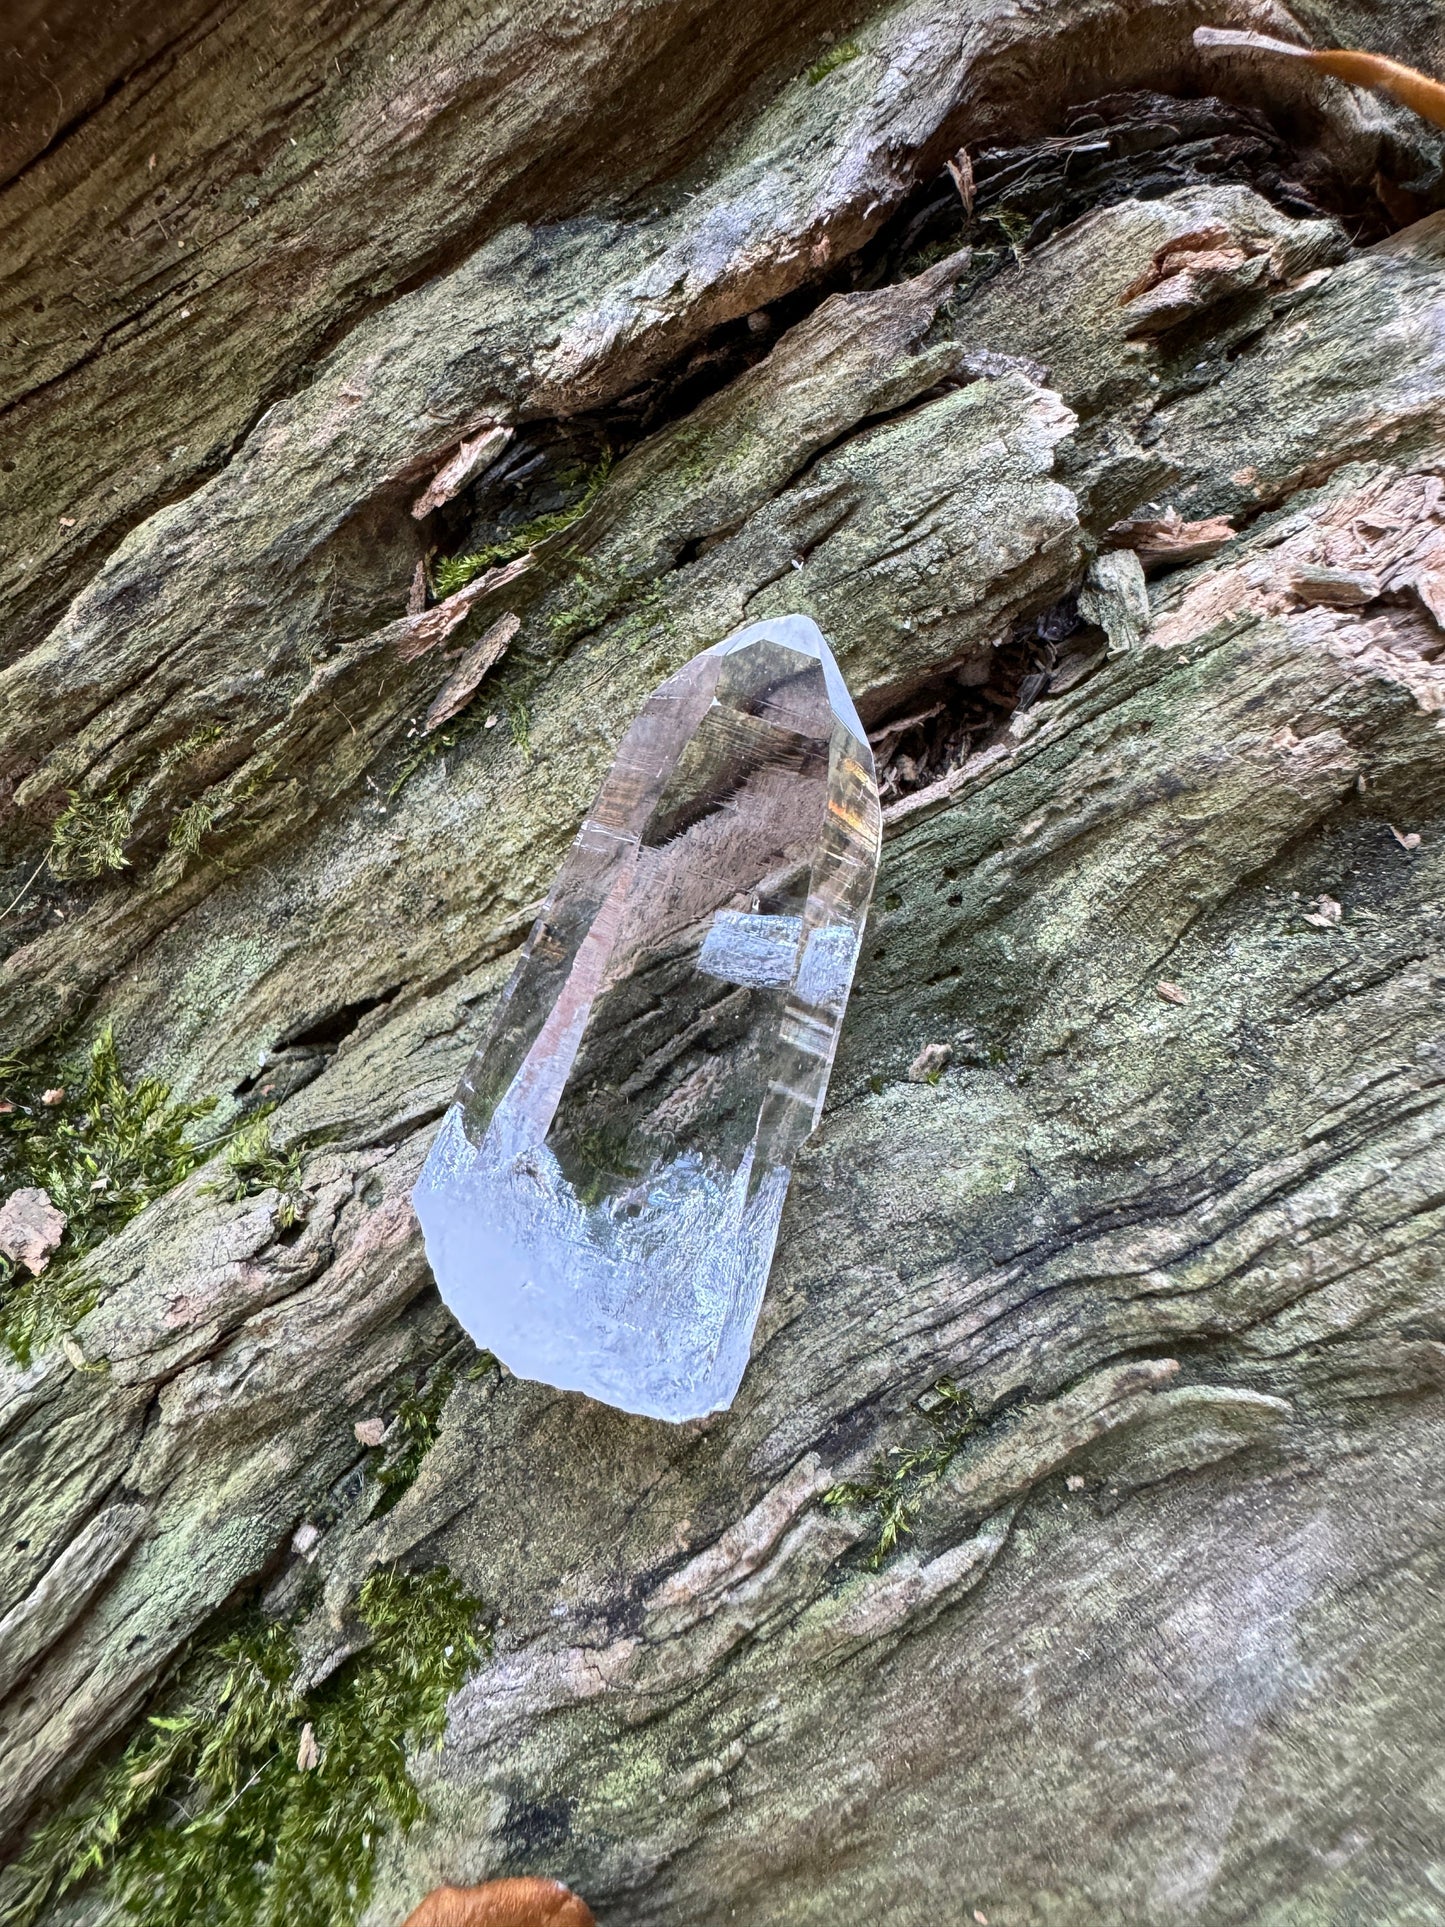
601, 1202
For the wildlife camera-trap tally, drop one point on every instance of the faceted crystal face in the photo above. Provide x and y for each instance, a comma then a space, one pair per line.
601, 1203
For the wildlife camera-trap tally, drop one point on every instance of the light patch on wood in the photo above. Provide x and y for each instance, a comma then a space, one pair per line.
1361, 574
470, 459
1168, 541
30, 1228
459, 688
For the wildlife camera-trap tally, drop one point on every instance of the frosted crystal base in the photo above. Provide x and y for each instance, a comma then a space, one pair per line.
601, 1203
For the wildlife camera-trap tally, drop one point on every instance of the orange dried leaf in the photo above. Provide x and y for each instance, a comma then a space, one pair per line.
1407, 84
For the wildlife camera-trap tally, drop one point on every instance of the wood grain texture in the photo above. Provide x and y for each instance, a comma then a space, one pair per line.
1159, 1645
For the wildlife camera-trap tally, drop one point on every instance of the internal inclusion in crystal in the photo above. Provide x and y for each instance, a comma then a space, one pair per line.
601, 1203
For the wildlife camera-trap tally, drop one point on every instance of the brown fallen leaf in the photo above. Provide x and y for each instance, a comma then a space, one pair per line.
1407, 839
369, 1431
308, 1753
1171, 993
30, 1228
527, 1902
1407, 84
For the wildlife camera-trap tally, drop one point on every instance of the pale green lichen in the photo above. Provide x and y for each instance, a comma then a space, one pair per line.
897, 1486
101, 1149
599, 593
248, 1802
836, 57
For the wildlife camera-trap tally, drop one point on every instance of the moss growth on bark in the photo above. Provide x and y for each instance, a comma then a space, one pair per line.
897, 1486
89, 835
413, 1433
101, 1149
250, 1801
836, 57
253, 1164
456, 571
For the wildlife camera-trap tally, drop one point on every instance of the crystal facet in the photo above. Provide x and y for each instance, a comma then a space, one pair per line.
601, 1203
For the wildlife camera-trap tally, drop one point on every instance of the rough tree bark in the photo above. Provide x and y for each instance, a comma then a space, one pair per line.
1163, 873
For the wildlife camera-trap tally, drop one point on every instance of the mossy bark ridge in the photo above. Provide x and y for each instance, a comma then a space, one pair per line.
1072, 1551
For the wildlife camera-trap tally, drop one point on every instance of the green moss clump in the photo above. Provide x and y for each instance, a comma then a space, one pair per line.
835, 58
456, 571
89, 836
1016, 227
101, 1149
190, 825
896, 1487
413, 1434
253, 1165
598, 594
250, 1803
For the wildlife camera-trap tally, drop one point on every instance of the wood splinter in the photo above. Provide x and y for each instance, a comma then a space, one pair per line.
1407, 84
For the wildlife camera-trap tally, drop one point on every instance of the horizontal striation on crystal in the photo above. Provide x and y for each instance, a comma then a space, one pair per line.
601, 1203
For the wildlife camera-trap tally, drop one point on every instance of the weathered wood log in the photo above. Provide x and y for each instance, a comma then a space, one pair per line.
669, 318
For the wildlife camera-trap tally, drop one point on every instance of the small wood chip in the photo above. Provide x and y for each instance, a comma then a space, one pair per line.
1115, 597
1326, 914
369, 1431
308, 1754
451, 479
929, 1063
1407, 839
1171, 993
459, 688
961, 168
30, 1228
1168, 541
1335, 588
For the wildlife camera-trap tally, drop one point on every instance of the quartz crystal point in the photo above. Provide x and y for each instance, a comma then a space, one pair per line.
601, 1203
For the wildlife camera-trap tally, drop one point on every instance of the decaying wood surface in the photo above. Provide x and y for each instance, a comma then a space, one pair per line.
1129, 529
